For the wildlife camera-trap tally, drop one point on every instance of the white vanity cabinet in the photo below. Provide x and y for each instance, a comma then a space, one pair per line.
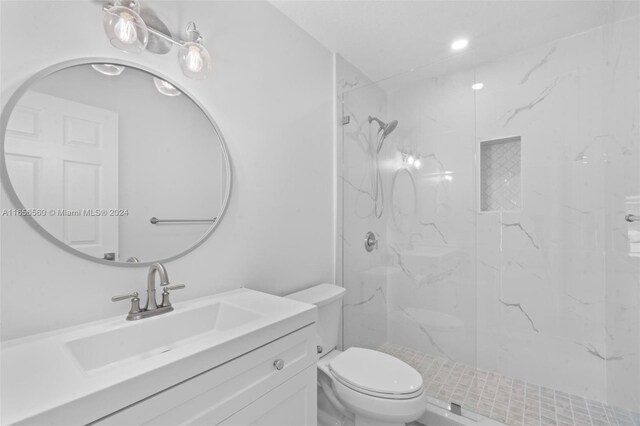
239, 357
274, 384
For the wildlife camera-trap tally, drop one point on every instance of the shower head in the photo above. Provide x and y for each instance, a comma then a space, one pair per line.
389, 127
385, 129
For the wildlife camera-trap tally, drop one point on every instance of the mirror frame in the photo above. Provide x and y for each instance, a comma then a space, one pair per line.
13, 196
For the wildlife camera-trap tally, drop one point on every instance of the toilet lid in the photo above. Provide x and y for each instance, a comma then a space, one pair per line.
376, 373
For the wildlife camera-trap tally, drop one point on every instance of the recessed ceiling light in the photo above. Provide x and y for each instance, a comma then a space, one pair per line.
459, 44
477, 86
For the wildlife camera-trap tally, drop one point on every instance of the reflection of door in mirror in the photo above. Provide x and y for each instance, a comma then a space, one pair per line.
64, 154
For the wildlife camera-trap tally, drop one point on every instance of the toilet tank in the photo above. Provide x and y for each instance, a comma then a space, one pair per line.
328, 299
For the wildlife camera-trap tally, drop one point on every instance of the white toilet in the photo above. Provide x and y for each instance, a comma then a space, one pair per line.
366, 387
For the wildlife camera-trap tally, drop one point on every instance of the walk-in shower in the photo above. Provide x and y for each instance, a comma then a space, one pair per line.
513, 284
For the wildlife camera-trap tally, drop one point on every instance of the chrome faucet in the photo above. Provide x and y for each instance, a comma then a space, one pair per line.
151, 284
151, 308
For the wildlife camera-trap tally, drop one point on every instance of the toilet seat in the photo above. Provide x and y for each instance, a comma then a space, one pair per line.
376, 374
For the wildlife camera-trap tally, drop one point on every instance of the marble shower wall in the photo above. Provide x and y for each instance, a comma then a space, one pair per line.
557, 293
541, 275
418, 287
432, 231
363, 274
548, 293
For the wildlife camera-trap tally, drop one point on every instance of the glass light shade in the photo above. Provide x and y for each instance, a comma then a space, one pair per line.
194, 60
108, 69
166, 88
126, 29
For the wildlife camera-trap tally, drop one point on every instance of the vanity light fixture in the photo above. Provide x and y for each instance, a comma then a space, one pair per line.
108, 69
129, 32
459, 44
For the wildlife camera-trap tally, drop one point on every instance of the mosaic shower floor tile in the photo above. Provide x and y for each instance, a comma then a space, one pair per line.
506, 399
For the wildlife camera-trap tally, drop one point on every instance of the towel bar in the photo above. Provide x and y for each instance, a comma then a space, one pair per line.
155, 220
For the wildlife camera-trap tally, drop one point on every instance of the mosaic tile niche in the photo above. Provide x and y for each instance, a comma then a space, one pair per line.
500, 175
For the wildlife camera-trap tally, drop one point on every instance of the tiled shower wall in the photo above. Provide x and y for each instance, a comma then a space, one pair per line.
547, 294
363, 275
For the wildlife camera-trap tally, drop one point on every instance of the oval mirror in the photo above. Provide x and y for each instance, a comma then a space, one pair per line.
114, 163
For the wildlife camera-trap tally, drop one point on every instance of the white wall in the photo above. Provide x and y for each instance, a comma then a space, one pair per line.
270, 92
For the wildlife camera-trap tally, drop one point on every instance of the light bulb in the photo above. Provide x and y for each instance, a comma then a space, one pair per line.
193, 59
125, 29
477, 86
417, 164
411, 159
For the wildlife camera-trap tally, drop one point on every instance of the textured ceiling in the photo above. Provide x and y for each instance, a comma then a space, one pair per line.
384, 38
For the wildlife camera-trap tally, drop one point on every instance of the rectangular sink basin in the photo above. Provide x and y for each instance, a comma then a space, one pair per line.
153, 336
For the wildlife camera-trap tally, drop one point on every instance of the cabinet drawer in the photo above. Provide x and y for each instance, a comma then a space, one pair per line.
214, 395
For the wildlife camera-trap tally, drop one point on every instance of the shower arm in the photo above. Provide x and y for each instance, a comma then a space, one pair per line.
380, 123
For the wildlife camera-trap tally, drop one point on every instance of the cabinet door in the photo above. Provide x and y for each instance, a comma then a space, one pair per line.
293, 403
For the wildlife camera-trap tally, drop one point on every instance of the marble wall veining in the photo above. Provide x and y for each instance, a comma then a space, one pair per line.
546, 293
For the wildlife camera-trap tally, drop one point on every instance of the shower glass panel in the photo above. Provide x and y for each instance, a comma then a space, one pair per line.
620, 154
505, 270
414, 295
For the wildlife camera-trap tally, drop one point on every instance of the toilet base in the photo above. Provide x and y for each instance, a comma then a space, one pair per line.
356, 409
328, 415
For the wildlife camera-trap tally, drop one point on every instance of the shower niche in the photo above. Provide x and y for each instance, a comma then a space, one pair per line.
500, 175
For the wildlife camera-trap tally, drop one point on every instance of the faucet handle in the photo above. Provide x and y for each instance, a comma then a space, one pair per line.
174, 287
133, 295
165, 294
135, 301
